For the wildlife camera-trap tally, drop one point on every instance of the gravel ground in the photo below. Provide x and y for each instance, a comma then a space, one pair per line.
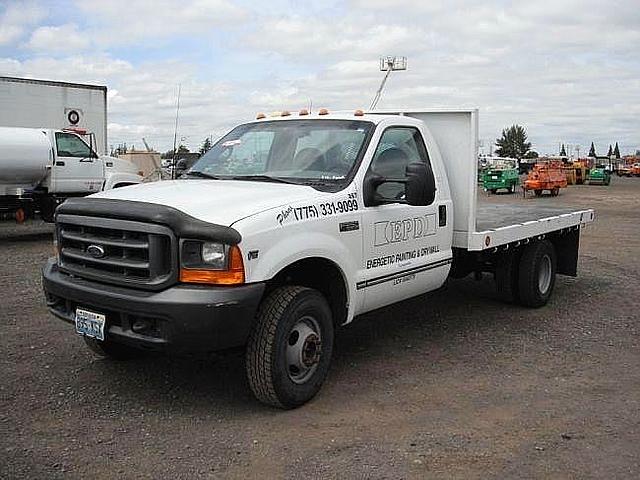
452, 384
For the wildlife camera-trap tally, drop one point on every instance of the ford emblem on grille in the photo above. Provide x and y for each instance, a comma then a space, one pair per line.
96, 251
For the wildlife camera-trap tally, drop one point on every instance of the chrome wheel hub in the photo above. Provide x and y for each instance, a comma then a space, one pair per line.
544, 274
304, 349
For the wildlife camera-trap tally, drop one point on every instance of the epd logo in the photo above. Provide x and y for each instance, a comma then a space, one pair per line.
394, 231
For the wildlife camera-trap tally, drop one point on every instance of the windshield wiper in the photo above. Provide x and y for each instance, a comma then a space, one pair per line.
197, 173
263, 178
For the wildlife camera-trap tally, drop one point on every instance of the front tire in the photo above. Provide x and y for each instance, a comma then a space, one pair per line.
537, 274
289, 350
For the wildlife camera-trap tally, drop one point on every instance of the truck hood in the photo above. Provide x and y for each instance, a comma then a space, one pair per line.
220, 202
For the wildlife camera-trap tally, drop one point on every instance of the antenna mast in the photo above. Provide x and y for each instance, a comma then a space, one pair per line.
175, 135
388, 65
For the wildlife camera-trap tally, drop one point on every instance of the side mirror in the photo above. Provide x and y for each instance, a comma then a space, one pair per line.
419, 181
420, 187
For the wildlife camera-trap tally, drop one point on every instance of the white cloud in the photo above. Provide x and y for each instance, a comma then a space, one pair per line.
118, 22
306, 38
16, 19
58, 39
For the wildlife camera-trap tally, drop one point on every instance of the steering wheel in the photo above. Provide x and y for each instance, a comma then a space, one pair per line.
314, 155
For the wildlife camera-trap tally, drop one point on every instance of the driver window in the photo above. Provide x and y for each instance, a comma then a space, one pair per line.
69, 145
398, 147
247, 155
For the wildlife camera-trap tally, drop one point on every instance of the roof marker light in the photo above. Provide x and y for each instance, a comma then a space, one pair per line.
285, 113
260, 116
323, 111
358, 113
304, 111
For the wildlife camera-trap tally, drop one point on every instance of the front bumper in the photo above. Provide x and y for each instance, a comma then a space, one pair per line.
179, 319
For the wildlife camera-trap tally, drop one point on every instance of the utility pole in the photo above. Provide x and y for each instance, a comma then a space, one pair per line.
388, 65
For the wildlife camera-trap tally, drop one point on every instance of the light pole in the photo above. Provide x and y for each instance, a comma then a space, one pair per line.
388, 65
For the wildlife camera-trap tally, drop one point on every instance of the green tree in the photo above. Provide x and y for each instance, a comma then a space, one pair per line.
610, 152
169, 153
616, 151
563, 152
513, 142
531, 154
592, 150
206, 146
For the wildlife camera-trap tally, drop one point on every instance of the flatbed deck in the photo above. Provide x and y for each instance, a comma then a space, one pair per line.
496, 216
502, 224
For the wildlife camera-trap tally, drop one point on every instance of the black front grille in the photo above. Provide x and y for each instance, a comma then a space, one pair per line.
117, 251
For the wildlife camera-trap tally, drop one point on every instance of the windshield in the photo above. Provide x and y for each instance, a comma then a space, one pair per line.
300, 151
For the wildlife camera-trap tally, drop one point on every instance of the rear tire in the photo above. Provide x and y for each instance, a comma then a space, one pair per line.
289, 350
538, 193
537, 274
506, 276
555, 192
109, 349
494, 191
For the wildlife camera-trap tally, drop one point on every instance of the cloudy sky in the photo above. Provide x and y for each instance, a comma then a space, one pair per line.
568, 70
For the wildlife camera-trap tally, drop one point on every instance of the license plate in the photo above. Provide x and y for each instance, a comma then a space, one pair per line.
90, 324
495, 177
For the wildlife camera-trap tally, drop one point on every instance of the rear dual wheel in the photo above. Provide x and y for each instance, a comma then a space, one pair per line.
537, 274
527, 276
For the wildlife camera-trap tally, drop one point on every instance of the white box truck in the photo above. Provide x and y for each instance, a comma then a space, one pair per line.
34, 103
290, 227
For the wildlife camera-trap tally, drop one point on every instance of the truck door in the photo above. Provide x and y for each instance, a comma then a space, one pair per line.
76, 169
405, 250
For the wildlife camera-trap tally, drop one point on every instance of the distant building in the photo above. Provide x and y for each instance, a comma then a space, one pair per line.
148, 163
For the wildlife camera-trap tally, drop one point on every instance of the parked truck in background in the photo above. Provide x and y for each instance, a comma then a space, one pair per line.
40, 168
31, 103
290, 227
501, 174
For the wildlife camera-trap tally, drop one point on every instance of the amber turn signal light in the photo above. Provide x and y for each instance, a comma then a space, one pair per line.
233, 275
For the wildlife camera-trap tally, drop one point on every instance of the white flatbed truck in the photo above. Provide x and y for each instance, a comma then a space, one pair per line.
289, 227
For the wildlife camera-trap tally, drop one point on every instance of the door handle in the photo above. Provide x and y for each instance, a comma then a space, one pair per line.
442, 216
86, 160
59, 163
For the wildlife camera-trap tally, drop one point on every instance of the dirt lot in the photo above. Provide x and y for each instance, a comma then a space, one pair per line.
449, 385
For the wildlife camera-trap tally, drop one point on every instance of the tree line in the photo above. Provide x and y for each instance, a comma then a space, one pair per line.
513, 144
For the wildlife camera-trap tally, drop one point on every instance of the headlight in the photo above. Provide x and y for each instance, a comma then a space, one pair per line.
210, 262
214, 254
210, 255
